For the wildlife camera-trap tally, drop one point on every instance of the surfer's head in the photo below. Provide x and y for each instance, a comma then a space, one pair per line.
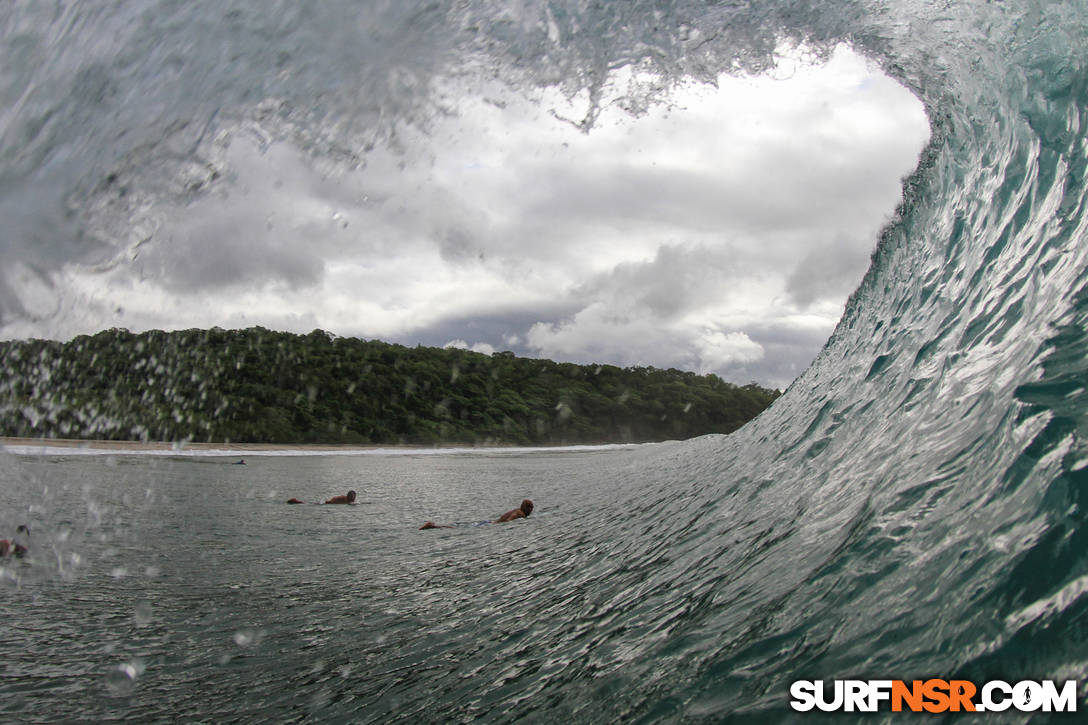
351, 497
526, 507
17, 545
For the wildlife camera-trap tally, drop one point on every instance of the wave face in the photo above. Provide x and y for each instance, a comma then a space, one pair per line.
914, 505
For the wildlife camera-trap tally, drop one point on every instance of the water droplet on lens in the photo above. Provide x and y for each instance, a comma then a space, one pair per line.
119, 683
247, 637
121, 680
142, 614
119, 572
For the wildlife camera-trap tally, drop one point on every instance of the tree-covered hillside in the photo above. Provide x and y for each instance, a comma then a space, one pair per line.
258, 385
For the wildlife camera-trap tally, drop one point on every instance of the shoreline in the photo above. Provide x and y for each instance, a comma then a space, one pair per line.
76, 446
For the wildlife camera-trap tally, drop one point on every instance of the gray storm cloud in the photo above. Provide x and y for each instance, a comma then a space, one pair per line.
677, 280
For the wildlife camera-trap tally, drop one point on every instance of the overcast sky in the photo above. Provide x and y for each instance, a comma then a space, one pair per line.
721, 234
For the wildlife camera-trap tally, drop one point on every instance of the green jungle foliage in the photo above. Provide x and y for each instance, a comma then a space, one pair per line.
261, 386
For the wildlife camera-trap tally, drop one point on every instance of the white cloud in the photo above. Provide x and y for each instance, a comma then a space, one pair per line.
478, 347
720, 350
600, 333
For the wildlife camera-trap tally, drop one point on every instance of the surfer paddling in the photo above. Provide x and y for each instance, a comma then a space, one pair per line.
348, 498
520, 512
14, 547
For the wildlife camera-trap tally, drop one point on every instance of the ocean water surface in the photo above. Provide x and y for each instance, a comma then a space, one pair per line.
185, 587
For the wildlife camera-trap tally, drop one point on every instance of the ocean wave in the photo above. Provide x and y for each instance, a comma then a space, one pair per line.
915, 502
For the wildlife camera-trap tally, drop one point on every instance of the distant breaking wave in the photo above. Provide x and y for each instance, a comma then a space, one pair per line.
914, 505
